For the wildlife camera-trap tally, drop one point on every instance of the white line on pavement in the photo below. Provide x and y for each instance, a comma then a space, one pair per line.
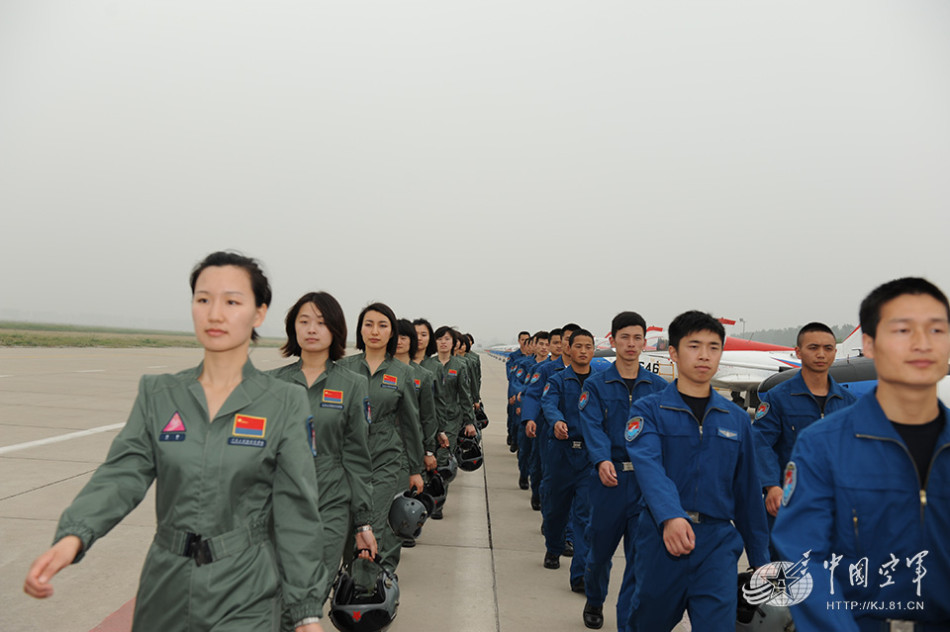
72, 435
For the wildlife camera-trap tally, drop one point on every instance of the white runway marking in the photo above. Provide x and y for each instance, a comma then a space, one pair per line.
6, 376
157, 366
72, 435
92, 371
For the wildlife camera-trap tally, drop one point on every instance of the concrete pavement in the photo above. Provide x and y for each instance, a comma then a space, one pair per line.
479, 569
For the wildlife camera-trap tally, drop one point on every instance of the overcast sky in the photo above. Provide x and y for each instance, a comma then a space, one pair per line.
495, 165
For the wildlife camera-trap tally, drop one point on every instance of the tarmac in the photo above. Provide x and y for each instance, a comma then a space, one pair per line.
478, 569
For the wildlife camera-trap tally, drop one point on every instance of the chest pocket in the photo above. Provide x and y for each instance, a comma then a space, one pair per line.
721, 454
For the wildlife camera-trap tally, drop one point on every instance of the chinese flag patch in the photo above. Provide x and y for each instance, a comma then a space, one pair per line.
247, 426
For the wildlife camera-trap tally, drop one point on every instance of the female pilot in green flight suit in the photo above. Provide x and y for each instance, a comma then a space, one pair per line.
236, 500
395, 435
316, 334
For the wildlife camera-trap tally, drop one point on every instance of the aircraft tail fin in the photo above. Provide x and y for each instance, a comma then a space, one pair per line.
852, 346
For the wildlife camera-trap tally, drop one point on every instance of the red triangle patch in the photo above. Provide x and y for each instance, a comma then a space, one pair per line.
175, 424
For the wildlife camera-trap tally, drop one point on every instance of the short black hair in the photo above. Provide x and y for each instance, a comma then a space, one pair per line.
386, 311
463, 340
259, 283
627, 319
440, 333
570, 327
542, 335
557, 331
580, 332
870, 312
471, 339
430, 348
524, 333
405, 328
333, 318
694, 321
810, 327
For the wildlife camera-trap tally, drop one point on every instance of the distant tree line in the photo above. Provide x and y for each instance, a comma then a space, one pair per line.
787, 336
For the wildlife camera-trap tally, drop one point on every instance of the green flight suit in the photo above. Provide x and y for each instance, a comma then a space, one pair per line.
395, 443
428, 412
475, 362
433, 366
457, 394
339, 404
245, 481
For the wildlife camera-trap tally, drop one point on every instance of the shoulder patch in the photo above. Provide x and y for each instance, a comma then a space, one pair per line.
547, 387
634, 427
761, 411
520, 372
313, 435
582, 402
791, 480
535, 377
367, 410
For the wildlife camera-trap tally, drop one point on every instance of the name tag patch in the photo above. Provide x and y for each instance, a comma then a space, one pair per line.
250, 443
390, 381
174, 430
728, 434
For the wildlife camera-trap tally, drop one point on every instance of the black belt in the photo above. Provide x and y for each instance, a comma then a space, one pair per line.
698, 518
207, 550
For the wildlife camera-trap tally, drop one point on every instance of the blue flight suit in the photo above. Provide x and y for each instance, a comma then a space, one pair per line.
852, 490
785, 411
706, 470
510, 367
566, 471
531, 410
527, 450
614, 511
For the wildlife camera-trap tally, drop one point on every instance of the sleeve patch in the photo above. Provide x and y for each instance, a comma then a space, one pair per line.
791, 480
634, 427
547, 387
313, 435
583, 400
367, 410
761, 411
535, 377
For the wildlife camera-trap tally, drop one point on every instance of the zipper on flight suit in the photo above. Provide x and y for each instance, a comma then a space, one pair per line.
903, 446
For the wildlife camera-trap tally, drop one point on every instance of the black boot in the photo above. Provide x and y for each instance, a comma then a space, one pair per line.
593, 616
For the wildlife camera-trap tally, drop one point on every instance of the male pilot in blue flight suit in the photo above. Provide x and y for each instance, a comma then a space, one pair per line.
694, 457
567, 471
793, 405
615, 501
532, 415
867, 492
526, 444
511, 369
